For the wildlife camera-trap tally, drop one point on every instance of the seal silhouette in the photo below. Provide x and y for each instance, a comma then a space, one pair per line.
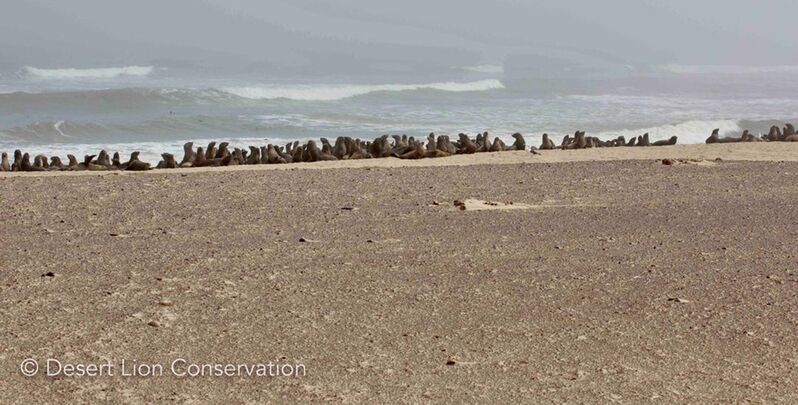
26, 166
4, 165
210, 151
546, 143
520, 142
671, 141
134, 164
189, 156
497, 145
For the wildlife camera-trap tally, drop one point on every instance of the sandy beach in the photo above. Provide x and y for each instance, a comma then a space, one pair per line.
596, 275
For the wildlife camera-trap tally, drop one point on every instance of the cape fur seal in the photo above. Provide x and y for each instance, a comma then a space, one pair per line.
103, 159
55, 163
339, 150
188, 155
774, 134
467, 145
664, 142
317, 155
498, 145
17, 165
789, 131
134, 164
520, 142
169, 161
254, 156
4, 165
210, 151
547, 143
579, 142
25, 165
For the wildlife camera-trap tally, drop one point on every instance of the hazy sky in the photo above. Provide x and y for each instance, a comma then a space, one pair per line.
319, 36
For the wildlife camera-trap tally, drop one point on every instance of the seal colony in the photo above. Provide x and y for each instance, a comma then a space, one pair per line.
347, 148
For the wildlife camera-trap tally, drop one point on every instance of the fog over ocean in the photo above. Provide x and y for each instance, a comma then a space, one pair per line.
78, 77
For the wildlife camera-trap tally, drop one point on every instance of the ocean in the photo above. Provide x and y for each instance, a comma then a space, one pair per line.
156, 109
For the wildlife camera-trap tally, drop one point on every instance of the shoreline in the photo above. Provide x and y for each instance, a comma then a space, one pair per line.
744, 151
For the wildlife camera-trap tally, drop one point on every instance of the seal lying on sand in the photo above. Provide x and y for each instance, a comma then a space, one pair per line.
466, 145
134, 164
168, 161
579, 142
671, 141
789, 131
55, 163
498, 145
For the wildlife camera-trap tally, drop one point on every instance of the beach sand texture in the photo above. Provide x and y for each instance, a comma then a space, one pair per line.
618, 278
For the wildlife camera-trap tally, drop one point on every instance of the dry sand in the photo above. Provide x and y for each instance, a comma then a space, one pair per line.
623, 281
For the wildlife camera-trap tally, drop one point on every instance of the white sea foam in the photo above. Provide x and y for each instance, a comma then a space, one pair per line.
688, 132
338, 92
727, 69
98, 73
496, 69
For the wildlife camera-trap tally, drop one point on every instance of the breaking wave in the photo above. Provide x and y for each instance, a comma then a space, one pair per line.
98, 73
726, 69
689, 132
340, 92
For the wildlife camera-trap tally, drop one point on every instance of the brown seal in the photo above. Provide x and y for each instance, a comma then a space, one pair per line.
254, 156
210, 151
791, 138
789, 131
169, 161
17, 165
134, 164
273, 157
72, 161
381, 147
520, 142
498, 145
222, 151
547, 143
467, 145
671, 141
316, 155
4, 165
40, 161
55, 163
643, 140
189, 156
299, 154
774, 134
580, 142
25, 165
103, 159
417, 152
339, 150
